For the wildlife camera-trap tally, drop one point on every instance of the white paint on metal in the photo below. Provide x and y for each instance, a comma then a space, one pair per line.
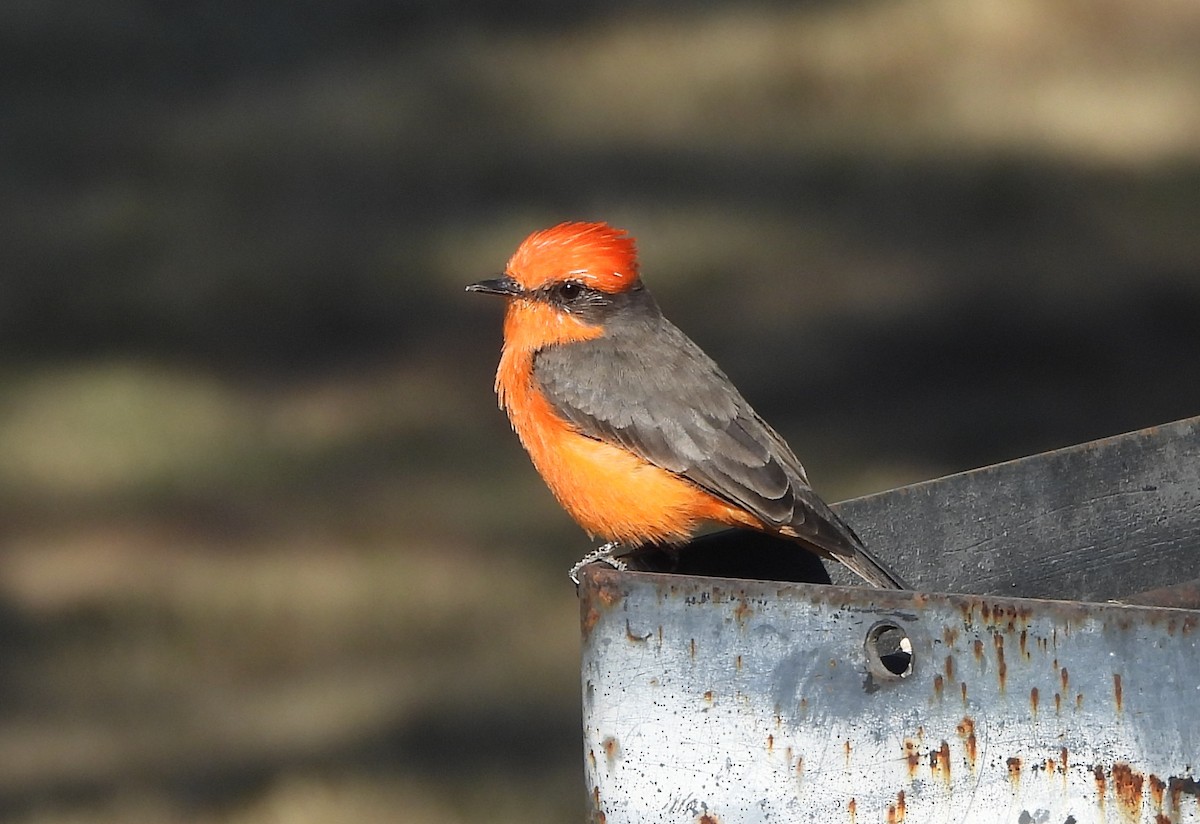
741, 702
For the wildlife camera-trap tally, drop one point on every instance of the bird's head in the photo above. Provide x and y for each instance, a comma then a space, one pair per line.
564, 282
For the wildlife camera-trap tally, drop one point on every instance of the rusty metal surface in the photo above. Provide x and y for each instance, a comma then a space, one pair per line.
718, 700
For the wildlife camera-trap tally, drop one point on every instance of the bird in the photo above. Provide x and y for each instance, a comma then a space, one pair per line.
636, 431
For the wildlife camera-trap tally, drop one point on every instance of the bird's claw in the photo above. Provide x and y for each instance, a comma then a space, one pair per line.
606, 554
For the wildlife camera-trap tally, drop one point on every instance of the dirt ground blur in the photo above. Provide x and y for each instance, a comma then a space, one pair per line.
268, 551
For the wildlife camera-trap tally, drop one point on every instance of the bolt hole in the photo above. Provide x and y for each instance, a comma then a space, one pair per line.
889, 650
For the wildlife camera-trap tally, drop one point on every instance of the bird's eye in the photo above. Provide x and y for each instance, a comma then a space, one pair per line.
570, 290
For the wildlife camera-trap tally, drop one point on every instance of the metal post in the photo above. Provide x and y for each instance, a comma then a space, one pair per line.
722, 700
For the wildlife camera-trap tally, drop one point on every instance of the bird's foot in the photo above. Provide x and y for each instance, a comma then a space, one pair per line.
606, 553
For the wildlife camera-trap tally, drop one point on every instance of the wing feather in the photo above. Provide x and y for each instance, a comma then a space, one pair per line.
657, 394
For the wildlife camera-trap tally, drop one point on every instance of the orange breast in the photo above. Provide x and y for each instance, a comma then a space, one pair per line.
611, 492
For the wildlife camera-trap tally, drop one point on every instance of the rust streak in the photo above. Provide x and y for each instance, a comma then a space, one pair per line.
938, 684
1065, 678
742, 611
963, 689
1127, 787
966, 731
968, 612
978, 647
708, 819
852, 808
590, 617
939, 762
911, 757
770, 743
1178, 785
896, 812
1033, 701
1117, 691
949, 667
1001, 666
1024, 614
1058, 703
848, 749
1023, 640
612, 750
1101, 785
1014, 771
608, 593
1157, 788
950, 636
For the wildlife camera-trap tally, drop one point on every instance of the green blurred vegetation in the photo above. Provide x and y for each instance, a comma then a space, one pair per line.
267, 549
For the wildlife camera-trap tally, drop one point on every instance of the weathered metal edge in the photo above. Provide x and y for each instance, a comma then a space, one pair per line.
600, 587
631, 783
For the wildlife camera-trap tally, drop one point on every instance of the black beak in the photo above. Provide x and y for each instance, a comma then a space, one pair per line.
497, 286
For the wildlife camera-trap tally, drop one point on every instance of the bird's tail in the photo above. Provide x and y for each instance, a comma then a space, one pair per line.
830, 536
866, 566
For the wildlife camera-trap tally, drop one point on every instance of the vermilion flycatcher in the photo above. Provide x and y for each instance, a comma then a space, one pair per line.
638, 433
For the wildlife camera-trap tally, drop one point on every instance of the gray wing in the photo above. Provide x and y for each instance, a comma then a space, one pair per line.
657, 394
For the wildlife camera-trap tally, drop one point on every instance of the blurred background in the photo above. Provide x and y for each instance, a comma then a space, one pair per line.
268, 550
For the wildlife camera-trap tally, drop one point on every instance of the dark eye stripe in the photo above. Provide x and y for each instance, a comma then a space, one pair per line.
568, 292
578, 299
